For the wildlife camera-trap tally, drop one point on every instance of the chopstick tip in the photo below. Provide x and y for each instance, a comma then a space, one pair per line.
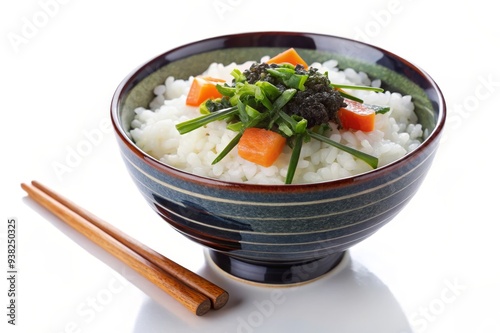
221, 300
203, 307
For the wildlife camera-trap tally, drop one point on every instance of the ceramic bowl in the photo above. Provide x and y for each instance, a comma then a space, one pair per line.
286, 233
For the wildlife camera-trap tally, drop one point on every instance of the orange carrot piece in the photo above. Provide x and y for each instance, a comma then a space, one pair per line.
356, 116
203, 88
289, 56
260, 146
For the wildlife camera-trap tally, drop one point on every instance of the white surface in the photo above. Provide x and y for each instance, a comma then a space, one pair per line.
434, 268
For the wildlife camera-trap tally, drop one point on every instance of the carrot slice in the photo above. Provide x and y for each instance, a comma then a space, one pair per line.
289, 56
260, 146
357, 116
203, 88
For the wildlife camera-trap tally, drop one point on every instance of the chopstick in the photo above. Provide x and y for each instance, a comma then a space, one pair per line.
193, 291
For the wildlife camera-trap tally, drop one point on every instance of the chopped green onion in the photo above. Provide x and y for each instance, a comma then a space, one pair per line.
285, 129
225, 89
369, 159
348, 86
279, 103
349, 96
294, 159
271, 91
228, 148
238, 75
242, 112
297, 126
289, 77
192, 124
379, 109
252, 112
235, 127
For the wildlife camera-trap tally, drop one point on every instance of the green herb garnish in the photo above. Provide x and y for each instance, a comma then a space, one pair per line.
299, 104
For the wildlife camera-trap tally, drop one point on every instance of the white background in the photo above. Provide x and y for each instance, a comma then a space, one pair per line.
62, 60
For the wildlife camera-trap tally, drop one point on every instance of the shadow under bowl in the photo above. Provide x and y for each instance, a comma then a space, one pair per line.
278, 234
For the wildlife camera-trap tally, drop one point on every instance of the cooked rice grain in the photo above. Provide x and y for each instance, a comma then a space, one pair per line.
396, 133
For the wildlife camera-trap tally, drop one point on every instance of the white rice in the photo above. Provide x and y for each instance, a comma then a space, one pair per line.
396, 133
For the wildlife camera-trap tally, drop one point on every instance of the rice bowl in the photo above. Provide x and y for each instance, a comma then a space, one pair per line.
278, 233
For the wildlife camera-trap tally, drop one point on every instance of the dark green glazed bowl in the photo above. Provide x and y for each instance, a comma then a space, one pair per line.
287, 233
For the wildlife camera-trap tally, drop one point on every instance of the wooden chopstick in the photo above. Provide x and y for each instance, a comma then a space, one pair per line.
193, 291
218, 296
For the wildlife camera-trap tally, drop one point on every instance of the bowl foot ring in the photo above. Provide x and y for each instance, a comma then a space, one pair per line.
276, 273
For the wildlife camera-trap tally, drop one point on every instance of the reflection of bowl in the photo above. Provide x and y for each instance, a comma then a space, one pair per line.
348, 292
278, 233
